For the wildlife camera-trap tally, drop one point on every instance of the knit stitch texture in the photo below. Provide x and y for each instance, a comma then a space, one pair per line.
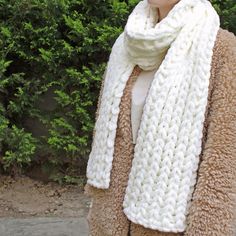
166, 154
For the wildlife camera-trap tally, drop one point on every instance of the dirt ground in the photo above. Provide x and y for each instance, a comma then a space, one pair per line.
25, 197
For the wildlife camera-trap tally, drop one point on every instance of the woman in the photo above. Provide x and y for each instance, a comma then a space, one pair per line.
163, 159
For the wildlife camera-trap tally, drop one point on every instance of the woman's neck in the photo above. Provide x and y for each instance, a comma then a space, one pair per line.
163, 11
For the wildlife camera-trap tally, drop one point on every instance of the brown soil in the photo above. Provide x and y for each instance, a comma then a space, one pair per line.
24, 197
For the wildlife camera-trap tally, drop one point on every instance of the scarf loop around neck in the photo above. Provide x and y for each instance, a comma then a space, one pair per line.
166, 154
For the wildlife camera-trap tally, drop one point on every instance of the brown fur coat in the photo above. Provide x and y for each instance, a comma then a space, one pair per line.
213, 206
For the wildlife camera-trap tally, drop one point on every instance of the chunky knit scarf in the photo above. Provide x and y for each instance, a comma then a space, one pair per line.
166, 154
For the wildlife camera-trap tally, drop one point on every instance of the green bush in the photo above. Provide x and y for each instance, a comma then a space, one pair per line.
227, 11
60, 46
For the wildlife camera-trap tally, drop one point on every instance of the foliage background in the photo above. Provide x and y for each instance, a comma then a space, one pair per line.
58, 47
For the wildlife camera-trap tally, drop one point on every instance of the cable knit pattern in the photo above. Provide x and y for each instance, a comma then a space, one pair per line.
139, 93
166, 154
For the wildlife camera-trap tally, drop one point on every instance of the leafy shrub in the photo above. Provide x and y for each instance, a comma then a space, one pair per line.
227, 11
58, 46
20, 147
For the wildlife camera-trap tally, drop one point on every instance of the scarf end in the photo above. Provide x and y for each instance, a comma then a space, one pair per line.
98, 184
97, 172
168, 225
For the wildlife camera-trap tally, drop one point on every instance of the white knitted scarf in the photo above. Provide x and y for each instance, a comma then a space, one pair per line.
166, 154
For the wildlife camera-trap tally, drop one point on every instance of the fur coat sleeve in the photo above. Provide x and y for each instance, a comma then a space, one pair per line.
213, 208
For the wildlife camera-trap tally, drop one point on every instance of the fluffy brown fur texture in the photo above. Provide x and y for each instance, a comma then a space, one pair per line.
213, 206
